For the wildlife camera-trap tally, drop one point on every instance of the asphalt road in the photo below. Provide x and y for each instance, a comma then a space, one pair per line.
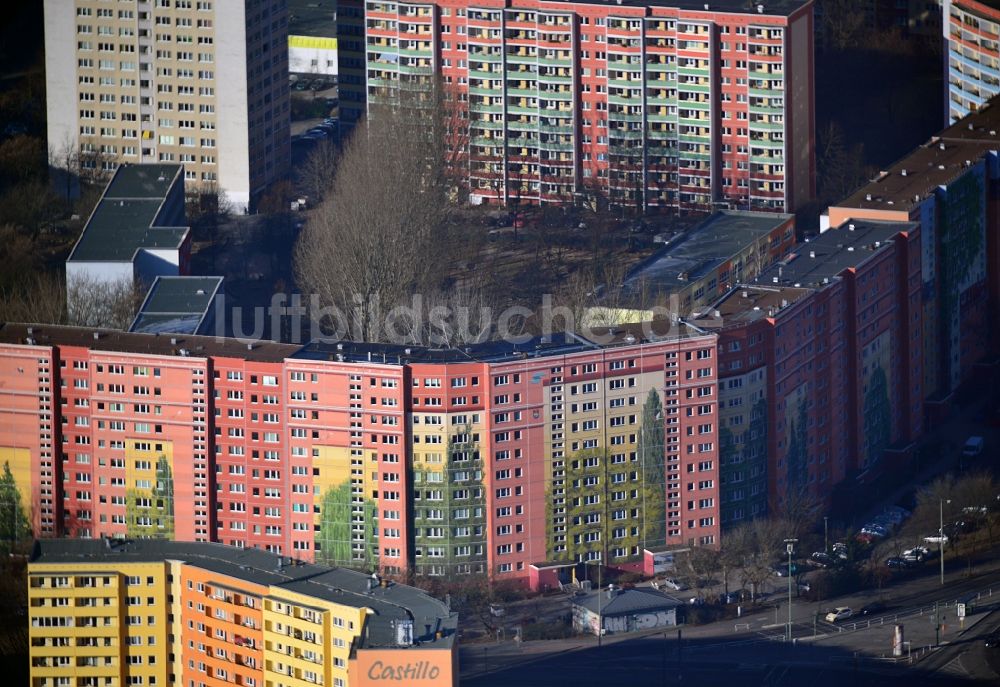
756, 654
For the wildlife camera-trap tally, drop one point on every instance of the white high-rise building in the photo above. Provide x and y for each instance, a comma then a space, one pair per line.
202, 83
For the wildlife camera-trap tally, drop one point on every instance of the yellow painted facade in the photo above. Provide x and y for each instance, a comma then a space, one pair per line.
19, 460
101, 625
297, 627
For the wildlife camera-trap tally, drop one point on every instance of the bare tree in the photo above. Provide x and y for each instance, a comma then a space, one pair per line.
41, 297
318, 171
698, 566
374, 239
94, 302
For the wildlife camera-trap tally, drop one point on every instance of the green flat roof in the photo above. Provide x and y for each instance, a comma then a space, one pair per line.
124, 220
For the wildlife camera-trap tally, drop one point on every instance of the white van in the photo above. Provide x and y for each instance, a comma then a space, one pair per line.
973, 446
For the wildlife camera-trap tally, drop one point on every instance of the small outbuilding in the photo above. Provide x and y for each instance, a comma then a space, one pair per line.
624, 610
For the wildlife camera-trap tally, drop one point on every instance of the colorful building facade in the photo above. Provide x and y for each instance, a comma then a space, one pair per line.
148, 612
403, 460
642, 104
947, 186
820, 368
972, 43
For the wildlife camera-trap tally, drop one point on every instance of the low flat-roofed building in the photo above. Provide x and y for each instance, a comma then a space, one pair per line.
704, 263
136, 233
617, 611
179, 305
312, 38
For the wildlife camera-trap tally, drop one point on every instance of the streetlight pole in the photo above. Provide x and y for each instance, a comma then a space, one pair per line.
790, 547
826, 534
941, 535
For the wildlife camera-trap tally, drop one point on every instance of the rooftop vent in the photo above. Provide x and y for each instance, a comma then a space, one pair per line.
340, 347
746, 294
200, 292
184, 352
971, 127
784, 302
774, 279
760, 9
878, 244
249, 346
31, 331
173, 340
97, 335
850, 249
407, 351
941, 167
903, 172
798, 285
826, 280
850, 227
30, 341
941, 145
629, 339
756, 308
868, 196
706, 5
812, 254
993, 132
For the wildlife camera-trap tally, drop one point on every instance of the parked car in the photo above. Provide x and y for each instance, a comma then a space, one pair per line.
821, 559
872, 608
992, 640
875, 529
730, 598
674, 584
497, 611
973, 446
838, 614
805, 587
840, 550
897, 563
916, 555
936, 539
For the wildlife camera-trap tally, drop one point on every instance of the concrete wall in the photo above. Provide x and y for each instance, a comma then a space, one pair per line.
585, 620
232, 135
60, 83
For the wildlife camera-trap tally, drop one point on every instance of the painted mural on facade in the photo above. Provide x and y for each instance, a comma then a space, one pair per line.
347, 517
876, 392
449, 502
149, 490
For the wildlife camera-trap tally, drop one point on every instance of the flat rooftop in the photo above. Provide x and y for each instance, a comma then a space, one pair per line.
176, 305
316, 18
115, 341
937, 162
823, 258
195, 346
695, 253
338, 585
777, 7
125, 219
754, 302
